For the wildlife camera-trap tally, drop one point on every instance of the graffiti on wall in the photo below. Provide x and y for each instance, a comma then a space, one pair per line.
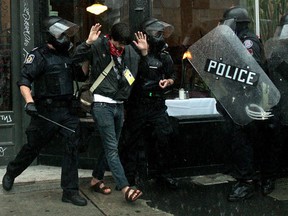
26, 28
6, 118
2, 151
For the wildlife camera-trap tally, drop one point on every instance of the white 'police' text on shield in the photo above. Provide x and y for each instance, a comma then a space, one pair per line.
231, 72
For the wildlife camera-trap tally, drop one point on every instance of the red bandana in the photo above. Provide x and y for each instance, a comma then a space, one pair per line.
114, 51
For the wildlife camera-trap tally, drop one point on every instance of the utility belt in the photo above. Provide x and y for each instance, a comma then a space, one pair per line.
49, 102
152, 100
151, 94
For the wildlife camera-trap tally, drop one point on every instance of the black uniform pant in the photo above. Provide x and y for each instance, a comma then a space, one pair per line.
39, 133
256, 147
145, 112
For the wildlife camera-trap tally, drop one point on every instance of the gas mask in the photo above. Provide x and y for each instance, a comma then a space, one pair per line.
157, 43
157, 31
61, 44
59, 32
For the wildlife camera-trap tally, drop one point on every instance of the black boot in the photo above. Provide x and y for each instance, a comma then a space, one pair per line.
241, 190
7, 182
267, 186
74, 198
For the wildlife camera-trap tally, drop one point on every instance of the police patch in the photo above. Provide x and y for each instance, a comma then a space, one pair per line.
248, 44
30, 59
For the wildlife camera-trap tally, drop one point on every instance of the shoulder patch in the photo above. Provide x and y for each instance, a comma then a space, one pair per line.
248, 43
30, 59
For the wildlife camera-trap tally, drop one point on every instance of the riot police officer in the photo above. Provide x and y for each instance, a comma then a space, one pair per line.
259, 132
50, 69
276, 53
146, 104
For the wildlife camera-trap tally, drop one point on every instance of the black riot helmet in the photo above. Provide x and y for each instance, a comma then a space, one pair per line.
59, 31
282, 29
236, 18
156, 32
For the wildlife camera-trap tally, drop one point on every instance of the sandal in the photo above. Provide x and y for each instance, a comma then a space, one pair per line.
131, 197
99, 189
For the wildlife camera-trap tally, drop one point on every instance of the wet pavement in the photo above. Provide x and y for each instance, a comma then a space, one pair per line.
37, 192
203, 200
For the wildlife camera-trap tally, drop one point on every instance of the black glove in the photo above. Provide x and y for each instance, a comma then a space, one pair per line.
31, 109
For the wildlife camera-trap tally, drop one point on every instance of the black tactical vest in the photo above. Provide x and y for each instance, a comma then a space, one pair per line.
57, 77
150, 79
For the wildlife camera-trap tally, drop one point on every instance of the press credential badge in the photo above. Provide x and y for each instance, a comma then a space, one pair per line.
129, 77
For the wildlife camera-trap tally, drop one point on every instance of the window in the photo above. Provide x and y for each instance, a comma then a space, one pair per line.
193, 19
75, 11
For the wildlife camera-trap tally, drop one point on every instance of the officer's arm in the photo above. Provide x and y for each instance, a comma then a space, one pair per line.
169, 69
81, 71
32, 68
85, 67
253, 46
26, 93
169, 76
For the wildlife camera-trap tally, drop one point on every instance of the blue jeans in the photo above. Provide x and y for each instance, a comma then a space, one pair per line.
101, 166
109, 121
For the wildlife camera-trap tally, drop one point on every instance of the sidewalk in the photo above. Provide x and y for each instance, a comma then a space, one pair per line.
37, 192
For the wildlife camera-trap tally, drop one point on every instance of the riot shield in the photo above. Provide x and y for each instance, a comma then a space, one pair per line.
233, 76
276, 52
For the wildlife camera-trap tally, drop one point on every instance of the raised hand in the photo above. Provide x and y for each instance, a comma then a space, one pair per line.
141, 42
94, 33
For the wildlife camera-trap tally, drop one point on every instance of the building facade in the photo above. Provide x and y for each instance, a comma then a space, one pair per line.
20, 32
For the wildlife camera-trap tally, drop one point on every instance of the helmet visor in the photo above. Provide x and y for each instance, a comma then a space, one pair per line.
159, 28
229, 22
63, 26
282, 32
